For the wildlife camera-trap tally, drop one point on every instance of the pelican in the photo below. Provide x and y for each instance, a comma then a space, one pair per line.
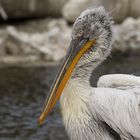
110, 111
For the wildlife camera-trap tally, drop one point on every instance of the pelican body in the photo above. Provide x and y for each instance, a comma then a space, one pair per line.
110, 111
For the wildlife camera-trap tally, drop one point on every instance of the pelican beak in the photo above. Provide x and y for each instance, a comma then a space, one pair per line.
77, 49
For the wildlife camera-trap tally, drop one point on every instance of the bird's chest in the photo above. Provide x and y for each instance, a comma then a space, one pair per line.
80, 124
74, 100
77, 118
74, 109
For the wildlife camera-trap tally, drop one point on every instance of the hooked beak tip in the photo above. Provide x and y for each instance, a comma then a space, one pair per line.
41, 120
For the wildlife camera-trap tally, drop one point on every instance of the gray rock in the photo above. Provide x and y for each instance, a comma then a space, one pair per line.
30, 8
119, 9
47, 44
127, 35
73, 8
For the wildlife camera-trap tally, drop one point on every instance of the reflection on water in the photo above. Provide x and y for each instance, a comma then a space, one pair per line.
22, 92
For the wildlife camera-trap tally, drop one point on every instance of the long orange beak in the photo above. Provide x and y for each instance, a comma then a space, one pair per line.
75, 53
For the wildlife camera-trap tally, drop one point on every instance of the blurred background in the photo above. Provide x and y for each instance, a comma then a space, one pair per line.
34, 38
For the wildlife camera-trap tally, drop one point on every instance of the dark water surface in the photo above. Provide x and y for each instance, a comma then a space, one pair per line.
23, 91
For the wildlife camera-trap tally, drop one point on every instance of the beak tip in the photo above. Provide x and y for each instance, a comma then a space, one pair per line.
41, 120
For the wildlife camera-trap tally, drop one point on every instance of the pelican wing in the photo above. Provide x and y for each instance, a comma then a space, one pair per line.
119, 109
119, 81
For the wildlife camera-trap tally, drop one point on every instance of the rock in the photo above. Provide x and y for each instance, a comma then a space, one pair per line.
119, 9
30, 8
48, 44
127, 36
73, 8
2, 42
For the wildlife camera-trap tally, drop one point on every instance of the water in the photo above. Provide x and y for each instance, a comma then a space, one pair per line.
23, 91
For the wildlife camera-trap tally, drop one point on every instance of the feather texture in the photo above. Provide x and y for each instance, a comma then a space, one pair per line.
120, 109
119, 81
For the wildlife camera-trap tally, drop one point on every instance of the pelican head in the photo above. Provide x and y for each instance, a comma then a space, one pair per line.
90, 44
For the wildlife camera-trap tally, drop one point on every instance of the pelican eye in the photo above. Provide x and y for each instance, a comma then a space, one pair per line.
80, 33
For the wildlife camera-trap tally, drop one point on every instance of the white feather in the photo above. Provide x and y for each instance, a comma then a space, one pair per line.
77, 117
118, 108
120, 81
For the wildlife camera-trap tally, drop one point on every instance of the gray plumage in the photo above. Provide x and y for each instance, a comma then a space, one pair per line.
112, 110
